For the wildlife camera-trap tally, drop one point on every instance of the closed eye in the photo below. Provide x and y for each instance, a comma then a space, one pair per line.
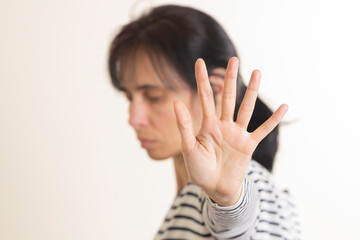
153, 99
153, 95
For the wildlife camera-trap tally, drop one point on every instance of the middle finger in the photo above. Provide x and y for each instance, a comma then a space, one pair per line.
229, 92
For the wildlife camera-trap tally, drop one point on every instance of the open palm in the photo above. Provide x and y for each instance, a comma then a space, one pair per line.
217, 158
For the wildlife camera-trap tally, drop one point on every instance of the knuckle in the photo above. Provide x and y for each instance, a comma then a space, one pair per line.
267, 128
273, 121
228, 96
269, 125
231, 74
246, 107
205, 93
185, 124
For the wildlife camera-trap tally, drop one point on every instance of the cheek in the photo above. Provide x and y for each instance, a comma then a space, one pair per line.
168, 125
164, 120
168, 135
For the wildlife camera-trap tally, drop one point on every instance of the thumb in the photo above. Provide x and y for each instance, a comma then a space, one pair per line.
185, 126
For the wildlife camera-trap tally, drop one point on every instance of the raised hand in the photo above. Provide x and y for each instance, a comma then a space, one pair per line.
217, 158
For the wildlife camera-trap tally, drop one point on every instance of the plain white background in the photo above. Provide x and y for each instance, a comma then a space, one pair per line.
71, 167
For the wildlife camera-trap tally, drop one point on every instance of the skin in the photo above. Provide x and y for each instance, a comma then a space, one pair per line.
206, 145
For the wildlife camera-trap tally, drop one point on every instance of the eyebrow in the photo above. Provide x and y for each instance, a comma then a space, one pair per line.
141, 87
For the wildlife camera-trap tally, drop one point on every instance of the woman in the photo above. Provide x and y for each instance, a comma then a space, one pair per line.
221, 137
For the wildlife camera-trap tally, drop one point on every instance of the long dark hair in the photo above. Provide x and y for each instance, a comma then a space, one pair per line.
177, 36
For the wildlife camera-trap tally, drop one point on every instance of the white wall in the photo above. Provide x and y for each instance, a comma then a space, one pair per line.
71, 168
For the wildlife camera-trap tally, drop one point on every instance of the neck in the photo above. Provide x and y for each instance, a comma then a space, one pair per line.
180, 171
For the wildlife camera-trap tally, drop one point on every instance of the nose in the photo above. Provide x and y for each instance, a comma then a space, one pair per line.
138, 115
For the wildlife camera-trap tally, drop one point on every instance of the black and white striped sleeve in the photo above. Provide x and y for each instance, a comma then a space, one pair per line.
233, 222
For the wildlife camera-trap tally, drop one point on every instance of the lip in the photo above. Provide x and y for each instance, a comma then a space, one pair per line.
146, 143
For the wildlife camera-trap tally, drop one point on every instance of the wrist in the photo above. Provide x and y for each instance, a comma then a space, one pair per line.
226, 201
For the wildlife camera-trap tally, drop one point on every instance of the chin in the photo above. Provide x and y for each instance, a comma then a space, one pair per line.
159, 155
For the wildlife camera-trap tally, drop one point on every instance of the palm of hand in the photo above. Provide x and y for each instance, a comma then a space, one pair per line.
217, 158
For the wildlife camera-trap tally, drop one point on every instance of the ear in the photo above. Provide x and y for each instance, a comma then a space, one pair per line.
216, 78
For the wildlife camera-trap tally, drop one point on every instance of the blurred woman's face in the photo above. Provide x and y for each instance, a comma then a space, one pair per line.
151, 112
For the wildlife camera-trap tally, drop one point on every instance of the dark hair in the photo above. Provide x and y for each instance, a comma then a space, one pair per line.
180, 35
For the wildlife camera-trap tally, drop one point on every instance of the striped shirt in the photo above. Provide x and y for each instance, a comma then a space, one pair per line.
262, 212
